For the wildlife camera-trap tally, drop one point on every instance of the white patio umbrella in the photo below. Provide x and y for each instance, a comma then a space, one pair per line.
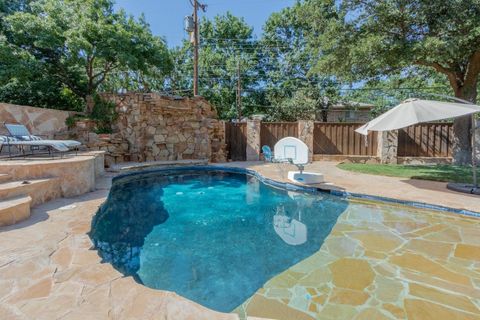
413, 111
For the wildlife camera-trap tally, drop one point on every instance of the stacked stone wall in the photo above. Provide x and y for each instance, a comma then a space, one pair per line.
151, 127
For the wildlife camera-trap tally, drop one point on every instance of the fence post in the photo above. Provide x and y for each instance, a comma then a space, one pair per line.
305, 133
477, 141
387, 147
253, 140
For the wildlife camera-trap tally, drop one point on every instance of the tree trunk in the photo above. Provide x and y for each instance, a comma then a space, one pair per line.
462, 128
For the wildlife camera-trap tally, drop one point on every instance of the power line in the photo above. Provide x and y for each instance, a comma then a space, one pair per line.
338, 89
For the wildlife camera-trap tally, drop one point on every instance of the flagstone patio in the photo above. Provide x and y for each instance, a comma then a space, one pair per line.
385, 264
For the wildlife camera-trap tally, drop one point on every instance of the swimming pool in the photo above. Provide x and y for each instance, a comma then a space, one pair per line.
212, 236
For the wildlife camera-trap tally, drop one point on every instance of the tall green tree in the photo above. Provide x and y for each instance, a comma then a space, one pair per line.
228, 51
82, 42
364, 39
293, 92
23, 79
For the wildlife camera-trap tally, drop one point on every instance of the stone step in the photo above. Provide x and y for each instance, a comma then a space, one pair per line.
40, 190
5, 177
14, 210
138, 166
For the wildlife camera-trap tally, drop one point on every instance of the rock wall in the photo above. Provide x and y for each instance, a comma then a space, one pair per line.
40, 121
151, 127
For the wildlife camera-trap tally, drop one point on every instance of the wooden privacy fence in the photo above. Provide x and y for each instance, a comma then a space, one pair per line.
236, 141
271, 132
341, 139
422, 140
426, 140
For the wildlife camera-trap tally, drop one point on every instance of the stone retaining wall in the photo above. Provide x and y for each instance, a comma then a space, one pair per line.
40, 121
151, 127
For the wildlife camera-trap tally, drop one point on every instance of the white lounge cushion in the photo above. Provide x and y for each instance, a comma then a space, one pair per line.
59, 146
5, 139
30, 138
68, 143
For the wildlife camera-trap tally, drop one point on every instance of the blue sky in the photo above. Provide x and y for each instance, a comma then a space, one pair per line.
166, 16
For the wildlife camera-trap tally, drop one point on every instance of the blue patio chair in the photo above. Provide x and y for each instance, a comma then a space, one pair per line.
267, 154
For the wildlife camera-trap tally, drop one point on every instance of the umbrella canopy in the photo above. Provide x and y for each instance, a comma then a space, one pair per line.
413, 111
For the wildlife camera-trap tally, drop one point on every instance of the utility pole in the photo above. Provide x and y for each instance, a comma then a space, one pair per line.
239, 91
196, 5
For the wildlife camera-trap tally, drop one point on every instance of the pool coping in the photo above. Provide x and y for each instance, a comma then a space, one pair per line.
304, 188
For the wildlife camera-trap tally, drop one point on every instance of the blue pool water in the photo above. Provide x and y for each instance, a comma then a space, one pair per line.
213, 237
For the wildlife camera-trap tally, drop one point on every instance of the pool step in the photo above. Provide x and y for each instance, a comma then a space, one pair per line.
40, 190
5, 177
14, 210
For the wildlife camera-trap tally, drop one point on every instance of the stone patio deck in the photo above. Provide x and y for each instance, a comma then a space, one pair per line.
387, 264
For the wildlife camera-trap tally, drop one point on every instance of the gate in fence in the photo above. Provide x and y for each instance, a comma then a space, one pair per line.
236, 141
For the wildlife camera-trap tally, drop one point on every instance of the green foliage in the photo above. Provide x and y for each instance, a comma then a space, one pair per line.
49, 46
104, 114
71, 120
287, 60
371, 39
227, 45
55, 53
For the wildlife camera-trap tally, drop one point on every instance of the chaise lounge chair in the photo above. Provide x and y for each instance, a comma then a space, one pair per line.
21, 133
20, 138
33, 144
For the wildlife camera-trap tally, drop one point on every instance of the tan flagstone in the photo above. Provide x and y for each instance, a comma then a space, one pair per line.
375, 255
336, 311
37, 290
278, 293
396, 311
6, 287
441, 284
316, 278
347, 296
95, 275
341, 246
352, 273
52, 307
430, 229
388, 290
85, 257
88, 289
62, 258
448, 235
433, 249
470, 235
441, 297
420, 263
424, 310
6, 313
378, 240
370, 314
267, 308
320, 299
405, 226
285, 280
467, 251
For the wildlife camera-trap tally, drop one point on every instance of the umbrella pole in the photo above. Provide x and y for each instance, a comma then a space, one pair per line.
474, 155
